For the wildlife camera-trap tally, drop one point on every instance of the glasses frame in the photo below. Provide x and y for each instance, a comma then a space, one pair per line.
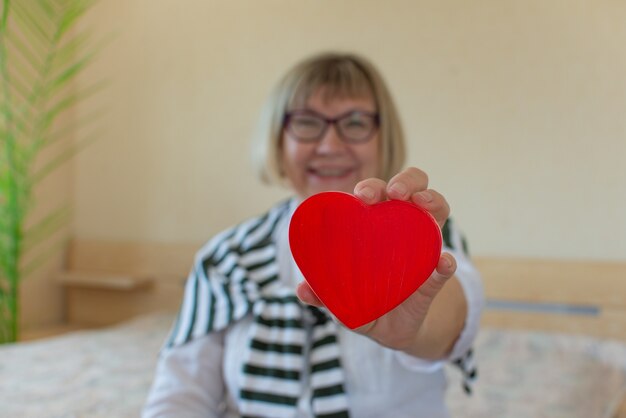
330, 121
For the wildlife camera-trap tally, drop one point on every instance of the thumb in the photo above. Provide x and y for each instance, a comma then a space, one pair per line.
306, 295
444, 270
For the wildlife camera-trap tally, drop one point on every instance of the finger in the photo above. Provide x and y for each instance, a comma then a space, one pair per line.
446, 266
444, 270
406, 183
306, 295
371, 190
434, 203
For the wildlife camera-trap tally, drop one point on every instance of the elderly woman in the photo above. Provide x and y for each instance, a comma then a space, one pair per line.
252, 339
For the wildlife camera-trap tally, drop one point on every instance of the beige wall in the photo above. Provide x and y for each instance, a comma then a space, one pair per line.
41, 297
516, 109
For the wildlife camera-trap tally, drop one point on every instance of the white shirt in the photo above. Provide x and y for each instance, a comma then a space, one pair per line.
198, 379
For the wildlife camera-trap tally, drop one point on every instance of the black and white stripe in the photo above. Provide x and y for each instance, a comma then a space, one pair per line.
327, 380
453, 240
469, 370
236, 273
225, 277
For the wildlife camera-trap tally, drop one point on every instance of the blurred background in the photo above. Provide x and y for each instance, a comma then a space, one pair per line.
515, 109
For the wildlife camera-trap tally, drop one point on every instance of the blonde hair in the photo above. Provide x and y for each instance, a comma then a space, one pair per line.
337, 76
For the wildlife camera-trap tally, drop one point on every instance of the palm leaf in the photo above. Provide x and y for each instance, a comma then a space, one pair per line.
45, 227
36, 259
41, 54
4, 15
62, 157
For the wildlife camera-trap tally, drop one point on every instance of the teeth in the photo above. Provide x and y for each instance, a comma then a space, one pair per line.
331, 172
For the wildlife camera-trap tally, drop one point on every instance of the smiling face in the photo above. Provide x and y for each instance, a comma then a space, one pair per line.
330, 164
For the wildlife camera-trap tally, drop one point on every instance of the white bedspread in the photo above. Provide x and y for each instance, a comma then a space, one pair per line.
104, 373
107, 373
536, 375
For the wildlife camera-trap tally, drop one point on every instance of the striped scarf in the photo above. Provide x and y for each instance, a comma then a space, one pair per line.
237, 273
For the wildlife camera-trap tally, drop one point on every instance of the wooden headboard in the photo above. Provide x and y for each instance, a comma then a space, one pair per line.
108, 282
582, 297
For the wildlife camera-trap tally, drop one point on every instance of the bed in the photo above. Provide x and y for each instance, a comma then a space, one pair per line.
549, 346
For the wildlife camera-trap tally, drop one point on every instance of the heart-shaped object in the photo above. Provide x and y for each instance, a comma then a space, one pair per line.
363, 260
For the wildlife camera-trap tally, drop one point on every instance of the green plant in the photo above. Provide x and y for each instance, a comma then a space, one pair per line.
42, 51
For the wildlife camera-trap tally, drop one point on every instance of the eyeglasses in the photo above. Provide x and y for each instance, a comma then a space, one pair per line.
353, 127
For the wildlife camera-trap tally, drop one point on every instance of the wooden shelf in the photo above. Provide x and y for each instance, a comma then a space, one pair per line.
102, 280
98, 298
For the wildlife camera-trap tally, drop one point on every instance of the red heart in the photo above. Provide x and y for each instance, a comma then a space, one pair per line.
363, 260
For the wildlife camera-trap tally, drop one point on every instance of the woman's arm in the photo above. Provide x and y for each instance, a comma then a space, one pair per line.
188, 380
443, 323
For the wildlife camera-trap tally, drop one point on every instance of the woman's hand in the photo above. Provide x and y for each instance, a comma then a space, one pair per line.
429, 321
